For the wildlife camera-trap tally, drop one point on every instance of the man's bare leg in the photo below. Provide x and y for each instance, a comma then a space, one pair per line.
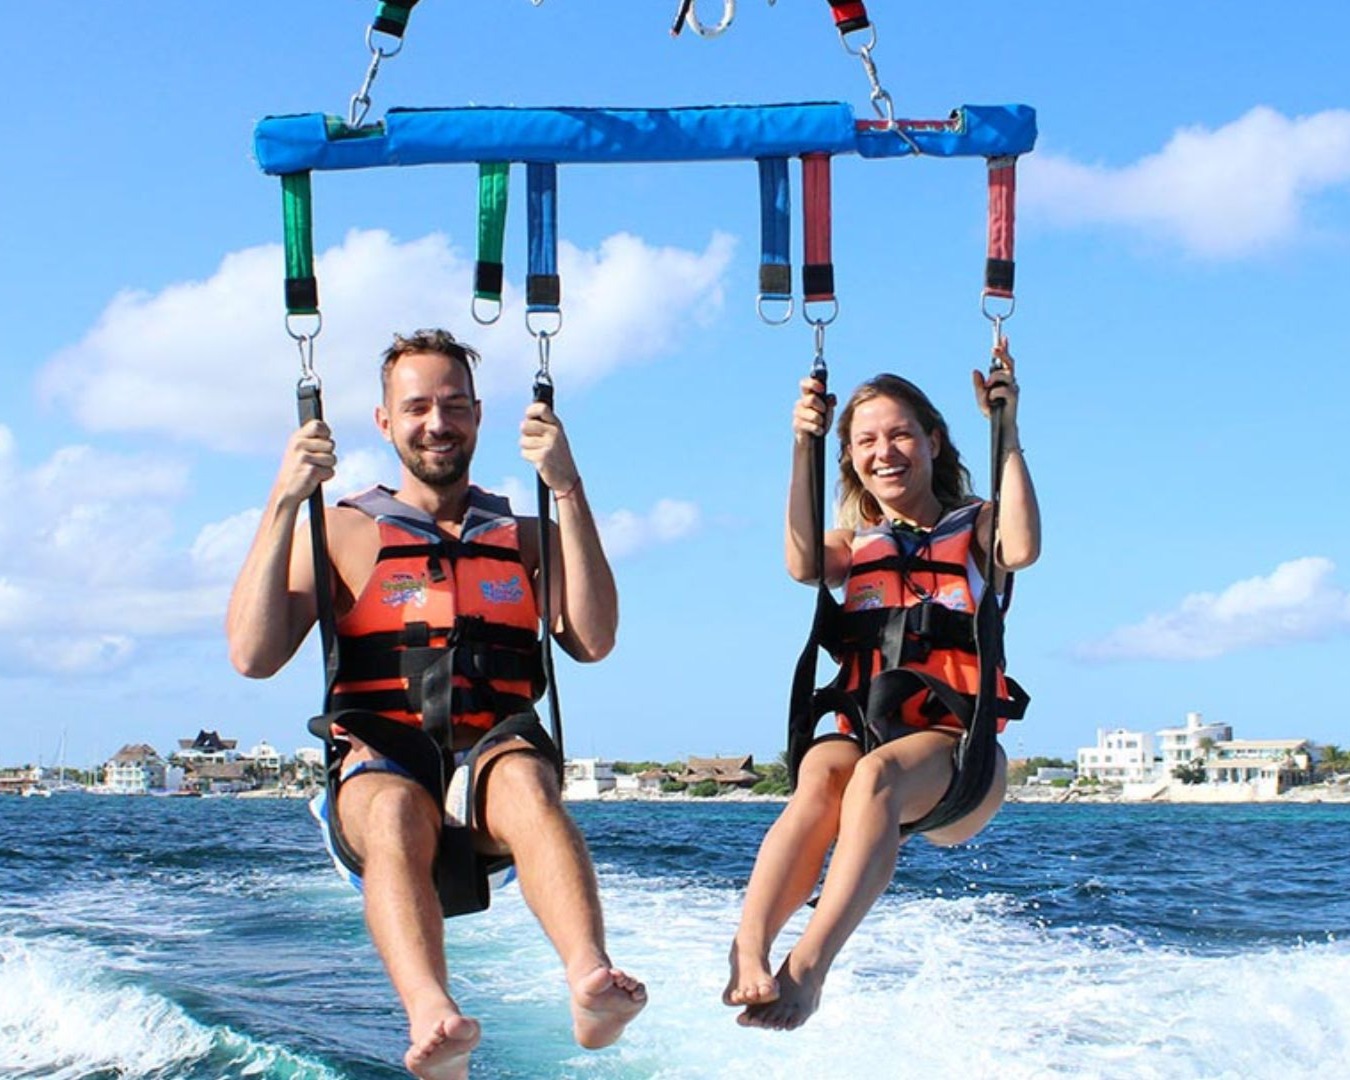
394, 825
523, 814
787, 868
898, 782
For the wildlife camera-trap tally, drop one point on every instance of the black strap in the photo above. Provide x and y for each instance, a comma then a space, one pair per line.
462, 873
804, 710
309, 405
543, 392
976, 758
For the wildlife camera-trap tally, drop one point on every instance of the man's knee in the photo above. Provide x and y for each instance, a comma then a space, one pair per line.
387, 814
515, 788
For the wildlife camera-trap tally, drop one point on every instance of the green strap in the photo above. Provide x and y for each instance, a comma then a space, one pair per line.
391, 16
493, 182
302, 287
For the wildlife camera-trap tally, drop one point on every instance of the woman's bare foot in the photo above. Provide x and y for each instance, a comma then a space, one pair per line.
798, 997
604, 1000
750, 982
441, 1043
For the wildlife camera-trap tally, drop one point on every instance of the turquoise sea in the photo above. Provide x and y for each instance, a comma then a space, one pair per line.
198, 939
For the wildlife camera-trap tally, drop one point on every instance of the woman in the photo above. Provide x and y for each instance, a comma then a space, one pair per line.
902, 487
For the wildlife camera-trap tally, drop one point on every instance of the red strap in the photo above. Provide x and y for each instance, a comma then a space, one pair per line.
849, 15
817, 259
998, 275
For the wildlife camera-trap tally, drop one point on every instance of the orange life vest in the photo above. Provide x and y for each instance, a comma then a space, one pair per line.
926, 577
446, 631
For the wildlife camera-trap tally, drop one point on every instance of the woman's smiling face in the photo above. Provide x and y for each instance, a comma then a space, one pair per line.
893, 456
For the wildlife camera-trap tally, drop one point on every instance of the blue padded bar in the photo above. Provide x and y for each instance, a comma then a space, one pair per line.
287, 144
972, 131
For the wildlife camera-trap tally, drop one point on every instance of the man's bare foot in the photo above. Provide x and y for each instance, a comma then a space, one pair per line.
604, 1000
798, 998
750, 982
440, 1047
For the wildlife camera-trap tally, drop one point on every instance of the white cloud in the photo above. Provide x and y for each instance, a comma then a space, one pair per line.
1299, 601
84, 472
208, 362
360, 469
73, 656
1223, 193
218, 551
88, 568
625, 531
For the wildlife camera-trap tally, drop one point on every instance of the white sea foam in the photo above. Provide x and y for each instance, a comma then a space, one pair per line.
972, 987
65, 1014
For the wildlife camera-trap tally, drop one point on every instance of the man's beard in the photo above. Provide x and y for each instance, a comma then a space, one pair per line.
447, 471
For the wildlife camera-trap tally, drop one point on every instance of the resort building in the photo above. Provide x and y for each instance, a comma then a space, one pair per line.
266, 761
134, 770
218, 778
207, 746
1269, 766
1120, 757
725, 772
647, 782
1178, 747
587, 778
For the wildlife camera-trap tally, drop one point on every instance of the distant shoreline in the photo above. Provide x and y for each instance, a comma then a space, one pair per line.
1043, 794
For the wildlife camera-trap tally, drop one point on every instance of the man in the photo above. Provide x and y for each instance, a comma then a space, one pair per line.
390, 822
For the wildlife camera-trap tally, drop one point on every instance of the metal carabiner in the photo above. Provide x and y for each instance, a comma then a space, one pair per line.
304, 342
997, 317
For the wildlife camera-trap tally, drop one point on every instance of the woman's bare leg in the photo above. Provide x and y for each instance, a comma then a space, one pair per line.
788, 867
900, 781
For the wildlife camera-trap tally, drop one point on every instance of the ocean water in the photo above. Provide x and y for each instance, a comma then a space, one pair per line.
197, 939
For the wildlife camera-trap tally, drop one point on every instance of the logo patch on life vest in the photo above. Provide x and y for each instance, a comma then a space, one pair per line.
954, 597
400, 589
509, 591
867, 598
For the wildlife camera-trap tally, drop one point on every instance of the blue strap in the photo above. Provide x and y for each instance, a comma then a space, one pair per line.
775, 221
543, 289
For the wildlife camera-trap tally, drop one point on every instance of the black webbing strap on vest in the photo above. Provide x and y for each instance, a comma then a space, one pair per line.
806, 704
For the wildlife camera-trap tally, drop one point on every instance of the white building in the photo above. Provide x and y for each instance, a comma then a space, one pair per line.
1269, 766
587, 778
134, 770
1180, 746
1120, 757
266, 760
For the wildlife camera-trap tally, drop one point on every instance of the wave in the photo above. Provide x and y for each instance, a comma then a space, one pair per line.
974, 986
64, 1015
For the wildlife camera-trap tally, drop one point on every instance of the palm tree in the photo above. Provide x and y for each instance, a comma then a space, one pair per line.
1331, 759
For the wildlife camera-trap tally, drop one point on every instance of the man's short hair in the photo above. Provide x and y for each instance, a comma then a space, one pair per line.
437, 341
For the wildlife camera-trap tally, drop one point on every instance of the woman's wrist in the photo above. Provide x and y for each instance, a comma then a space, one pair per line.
559, 496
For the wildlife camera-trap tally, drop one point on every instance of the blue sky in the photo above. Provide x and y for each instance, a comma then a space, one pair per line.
1184, 228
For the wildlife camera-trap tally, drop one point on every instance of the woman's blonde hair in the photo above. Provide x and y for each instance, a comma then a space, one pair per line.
951, 479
